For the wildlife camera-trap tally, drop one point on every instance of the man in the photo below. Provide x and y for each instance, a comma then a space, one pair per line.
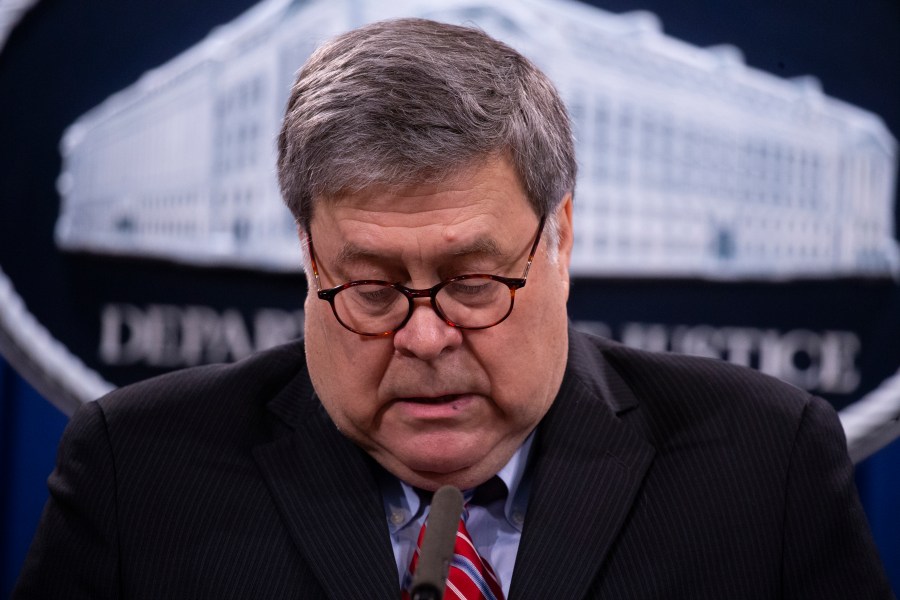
431, 171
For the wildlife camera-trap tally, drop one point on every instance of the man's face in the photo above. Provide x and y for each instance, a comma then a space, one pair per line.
432, 403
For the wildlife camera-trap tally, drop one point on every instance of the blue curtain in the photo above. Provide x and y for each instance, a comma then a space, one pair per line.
30, 428
878, 480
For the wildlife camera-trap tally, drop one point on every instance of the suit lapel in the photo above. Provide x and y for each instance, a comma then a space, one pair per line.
327, 495
587, 470
588, 466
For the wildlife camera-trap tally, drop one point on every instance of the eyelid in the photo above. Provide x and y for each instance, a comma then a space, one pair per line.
360, 270
365, 265
481, 264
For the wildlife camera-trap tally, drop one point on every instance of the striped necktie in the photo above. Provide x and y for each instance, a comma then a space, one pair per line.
470, 576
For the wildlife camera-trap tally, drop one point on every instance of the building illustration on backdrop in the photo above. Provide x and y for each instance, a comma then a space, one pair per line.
691, 163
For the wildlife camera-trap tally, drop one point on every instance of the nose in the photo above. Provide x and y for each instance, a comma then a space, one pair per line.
426, 335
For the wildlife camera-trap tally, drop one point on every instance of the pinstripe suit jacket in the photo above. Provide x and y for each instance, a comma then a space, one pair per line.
655, 476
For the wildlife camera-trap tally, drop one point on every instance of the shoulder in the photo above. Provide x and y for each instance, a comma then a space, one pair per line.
700, 376
735, 455
224, 400
676, 394
257, 376
676, 376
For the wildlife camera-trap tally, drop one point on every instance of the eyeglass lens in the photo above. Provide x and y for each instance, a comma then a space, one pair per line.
470, 302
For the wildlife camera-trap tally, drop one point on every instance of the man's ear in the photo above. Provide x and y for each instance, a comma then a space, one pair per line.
566, 239
304, 255
566, 233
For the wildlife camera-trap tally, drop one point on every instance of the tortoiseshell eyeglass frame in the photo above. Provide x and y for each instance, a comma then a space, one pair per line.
513, 283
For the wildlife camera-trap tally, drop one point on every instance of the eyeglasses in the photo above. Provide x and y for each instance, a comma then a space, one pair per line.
379, 308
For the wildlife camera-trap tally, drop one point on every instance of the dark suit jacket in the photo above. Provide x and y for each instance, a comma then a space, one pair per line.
655, 476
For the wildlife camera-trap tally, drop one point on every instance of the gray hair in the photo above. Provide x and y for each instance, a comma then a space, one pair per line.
413, 101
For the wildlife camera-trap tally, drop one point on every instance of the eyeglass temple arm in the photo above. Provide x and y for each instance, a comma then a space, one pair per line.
537, 240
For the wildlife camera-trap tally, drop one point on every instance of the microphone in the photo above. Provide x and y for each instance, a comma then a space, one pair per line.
436, 552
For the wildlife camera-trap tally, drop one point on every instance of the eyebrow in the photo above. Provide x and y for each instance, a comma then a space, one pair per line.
350, 252
484, 246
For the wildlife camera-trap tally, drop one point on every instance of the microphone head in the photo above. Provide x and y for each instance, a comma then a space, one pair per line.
436, 552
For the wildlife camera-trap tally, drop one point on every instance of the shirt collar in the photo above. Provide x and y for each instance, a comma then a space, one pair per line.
402, 504
513, 474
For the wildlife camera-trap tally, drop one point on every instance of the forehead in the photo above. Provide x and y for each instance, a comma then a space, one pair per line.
474, 210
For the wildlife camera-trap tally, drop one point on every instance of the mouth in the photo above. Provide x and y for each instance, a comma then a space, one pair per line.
432, 399
443, 407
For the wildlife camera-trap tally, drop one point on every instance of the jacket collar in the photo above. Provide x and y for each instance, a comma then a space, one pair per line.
588, 469
325, 489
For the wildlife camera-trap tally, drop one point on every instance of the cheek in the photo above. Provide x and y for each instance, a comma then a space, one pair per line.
346, 369
526, 360
507, 356
333, 344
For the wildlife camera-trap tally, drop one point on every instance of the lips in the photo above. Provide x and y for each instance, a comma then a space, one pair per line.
438, 407
432, 400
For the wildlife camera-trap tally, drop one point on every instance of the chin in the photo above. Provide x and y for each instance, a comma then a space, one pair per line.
439, 464
460, 459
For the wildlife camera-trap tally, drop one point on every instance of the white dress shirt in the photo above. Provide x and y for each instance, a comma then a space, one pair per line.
495, 528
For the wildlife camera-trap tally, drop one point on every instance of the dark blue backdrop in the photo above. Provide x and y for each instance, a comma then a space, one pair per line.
67, 56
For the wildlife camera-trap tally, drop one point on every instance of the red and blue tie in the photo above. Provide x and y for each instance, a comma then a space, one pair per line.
470, 576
